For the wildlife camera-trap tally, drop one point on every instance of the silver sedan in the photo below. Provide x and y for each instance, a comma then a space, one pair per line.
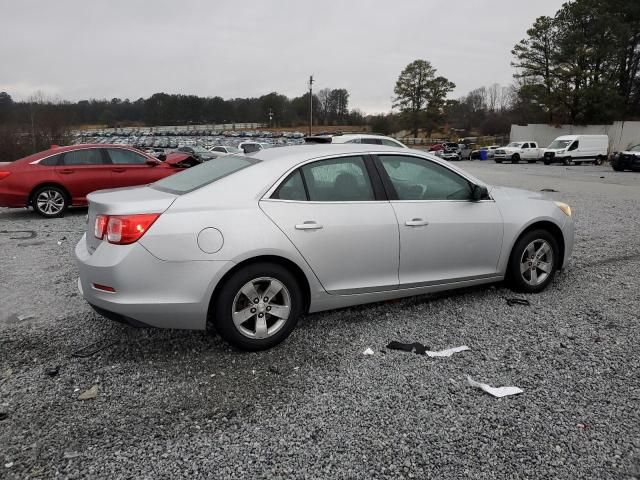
248, 244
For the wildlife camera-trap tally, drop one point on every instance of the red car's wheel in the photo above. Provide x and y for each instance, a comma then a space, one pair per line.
50, 201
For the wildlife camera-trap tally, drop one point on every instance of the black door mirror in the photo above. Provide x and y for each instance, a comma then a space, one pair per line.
479, 192
152, 163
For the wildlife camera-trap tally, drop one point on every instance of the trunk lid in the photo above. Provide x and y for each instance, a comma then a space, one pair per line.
124, 201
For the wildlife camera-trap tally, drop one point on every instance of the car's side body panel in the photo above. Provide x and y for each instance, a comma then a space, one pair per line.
351, 246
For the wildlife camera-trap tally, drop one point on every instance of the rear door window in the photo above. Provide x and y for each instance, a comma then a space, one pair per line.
338, 180
87, 156
50, 161
371, 141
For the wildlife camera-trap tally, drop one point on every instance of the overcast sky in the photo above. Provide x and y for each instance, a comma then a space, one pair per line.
79, 49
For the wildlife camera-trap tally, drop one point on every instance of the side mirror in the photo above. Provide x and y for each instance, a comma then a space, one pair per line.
479, 192
152, 163
162, 157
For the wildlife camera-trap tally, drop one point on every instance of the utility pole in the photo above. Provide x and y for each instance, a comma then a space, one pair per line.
270, 117
310, 104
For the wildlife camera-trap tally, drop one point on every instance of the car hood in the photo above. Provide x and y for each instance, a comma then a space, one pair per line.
626, 152
505, 193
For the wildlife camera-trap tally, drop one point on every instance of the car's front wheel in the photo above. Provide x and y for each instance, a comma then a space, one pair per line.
258, 306
50, 201
533, 262
515, 158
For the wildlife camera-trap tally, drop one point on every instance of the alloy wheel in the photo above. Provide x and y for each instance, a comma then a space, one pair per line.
261, 308
536, 263
50, 202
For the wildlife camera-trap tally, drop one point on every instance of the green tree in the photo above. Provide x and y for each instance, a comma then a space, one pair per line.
420, 95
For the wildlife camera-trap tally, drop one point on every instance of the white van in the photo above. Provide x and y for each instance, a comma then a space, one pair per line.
577, 149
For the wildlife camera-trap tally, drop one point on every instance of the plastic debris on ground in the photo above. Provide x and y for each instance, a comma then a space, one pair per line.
368, 351
89, 394
518, 301
421, 349
447, 352
498, 392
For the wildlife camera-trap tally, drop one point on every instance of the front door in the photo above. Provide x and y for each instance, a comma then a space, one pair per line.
347, 234
445, 236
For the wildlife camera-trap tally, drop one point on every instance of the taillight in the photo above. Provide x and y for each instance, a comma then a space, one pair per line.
123, 229
100, 226
126, 229
4, 175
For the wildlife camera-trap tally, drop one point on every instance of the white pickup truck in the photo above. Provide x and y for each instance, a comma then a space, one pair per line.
516, 151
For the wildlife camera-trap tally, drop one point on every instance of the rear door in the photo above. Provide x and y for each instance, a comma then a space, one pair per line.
335, 213
130, 168
84, 171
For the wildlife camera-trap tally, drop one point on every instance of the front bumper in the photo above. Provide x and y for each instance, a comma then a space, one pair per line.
568, 232
148, 291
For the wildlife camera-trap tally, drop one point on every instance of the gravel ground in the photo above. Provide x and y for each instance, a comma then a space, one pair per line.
174, 404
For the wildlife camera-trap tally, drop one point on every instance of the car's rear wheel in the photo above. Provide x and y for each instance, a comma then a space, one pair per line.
599, 160
258, 306
515, 158
50, 201
533, 262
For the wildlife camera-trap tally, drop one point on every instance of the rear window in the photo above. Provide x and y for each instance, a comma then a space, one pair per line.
203, 174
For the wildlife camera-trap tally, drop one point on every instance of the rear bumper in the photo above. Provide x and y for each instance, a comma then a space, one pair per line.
13, 199
148, 291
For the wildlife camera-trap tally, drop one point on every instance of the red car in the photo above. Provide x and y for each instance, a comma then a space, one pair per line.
60, 177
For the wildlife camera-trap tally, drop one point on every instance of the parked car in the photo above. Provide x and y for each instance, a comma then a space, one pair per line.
447, 155
226, 149
199, 152
627, 160
265, 238
365, 138
52, 180
516, 151
577, 149
251, 147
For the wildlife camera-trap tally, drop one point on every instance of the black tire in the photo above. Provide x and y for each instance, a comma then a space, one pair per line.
498, 161
616, 166
546, 162
50, 201
224, 305
566, 161
598, 160
515, 277
578, 163
515, 158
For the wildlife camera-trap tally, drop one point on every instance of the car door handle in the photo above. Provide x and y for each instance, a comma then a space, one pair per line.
416, 222
308, 225
66, 171
118, 170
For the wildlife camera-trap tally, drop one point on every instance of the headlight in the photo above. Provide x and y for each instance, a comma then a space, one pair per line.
564, 207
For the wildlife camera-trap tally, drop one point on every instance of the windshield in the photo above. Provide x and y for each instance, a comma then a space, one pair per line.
203, 174
635, 148
558, 144
515, 144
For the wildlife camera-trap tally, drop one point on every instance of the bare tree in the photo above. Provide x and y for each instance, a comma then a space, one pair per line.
493, 94
324, 97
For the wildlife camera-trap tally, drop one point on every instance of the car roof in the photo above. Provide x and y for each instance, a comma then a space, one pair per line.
68, 148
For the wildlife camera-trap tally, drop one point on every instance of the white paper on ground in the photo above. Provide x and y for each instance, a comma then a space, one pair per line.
495, 391
368, 351
448, 352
